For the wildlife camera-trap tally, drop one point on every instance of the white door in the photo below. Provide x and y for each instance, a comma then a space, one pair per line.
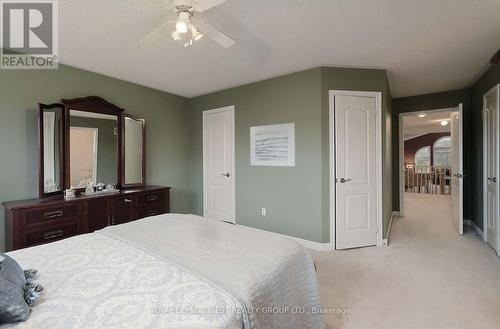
218, 164
491, 157
83, 156
457, 177
356, 204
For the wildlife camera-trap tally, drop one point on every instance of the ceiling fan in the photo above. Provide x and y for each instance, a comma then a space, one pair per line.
186, 28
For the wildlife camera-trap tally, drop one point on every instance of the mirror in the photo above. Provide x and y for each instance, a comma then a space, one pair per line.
93, 149
134, 165
51, 145
89, 140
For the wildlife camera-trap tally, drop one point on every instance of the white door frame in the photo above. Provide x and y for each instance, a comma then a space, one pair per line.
233, 169
402, 151
485, 181
96, 149
378, 101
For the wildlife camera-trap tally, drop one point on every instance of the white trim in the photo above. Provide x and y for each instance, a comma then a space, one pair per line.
96, 149
311, 244
485, 181
378, 99
93, 115
386, 240
49, 120
401, 141
306, 243
231, 109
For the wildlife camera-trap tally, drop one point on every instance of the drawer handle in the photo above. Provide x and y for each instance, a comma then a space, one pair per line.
128, 201
152, 213
151, 198
53, 214
53, 234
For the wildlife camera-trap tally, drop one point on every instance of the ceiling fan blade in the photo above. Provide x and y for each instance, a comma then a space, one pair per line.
220, 37
155, 34
204, 5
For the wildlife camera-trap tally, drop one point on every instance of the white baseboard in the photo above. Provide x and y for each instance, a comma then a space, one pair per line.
385, 242
312, 244
306, 243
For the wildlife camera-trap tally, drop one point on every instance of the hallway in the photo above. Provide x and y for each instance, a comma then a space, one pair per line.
428, 277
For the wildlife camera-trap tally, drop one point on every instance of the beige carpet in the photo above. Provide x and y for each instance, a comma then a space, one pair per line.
428, 277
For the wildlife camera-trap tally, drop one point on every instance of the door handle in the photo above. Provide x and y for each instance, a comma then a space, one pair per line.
345, 180
227, 174
459, 175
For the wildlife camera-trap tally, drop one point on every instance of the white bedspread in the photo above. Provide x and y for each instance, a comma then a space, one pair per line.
93, 281
272, 277
174, 271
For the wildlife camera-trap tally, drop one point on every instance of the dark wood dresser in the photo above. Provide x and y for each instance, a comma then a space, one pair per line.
38, 221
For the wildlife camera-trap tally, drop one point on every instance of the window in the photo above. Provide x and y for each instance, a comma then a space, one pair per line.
442, 152
423, 158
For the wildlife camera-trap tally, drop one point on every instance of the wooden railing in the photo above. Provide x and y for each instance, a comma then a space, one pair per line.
427, 180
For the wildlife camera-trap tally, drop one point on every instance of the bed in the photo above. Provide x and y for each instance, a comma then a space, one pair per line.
174, 271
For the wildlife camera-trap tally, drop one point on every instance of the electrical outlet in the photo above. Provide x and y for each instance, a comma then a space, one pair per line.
264, 212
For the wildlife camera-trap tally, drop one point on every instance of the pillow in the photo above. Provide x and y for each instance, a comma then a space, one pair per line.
16, 292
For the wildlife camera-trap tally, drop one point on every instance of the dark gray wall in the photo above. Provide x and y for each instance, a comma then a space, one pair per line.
487, 81
167, 128
426, 103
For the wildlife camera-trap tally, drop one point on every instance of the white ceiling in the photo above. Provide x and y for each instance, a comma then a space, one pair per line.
426, 45
414, 126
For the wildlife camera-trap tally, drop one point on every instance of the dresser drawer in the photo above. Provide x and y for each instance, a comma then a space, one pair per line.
150, 211
151, 198
48, 215
48, 234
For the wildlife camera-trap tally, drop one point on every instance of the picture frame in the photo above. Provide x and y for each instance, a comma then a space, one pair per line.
273, 145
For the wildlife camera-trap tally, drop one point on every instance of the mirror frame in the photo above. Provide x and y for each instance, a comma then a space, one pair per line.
123, 180
93, 104
41, 173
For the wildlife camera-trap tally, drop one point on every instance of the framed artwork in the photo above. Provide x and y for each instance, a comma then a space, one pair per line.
273, 145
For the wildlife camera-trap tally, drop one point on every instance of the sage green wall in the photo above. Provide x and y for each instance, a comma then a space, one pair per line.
107, 147
297, 198
292, 195
167, 128
487, 81
433, 102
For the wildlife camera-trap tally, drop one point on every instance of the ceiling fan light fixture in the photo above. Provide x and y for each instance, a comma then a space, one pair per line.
197, 35
182, 24
176, 36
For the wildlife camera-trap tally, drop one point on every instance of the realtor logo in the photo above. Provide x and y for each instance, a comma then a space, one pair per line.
29, 34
